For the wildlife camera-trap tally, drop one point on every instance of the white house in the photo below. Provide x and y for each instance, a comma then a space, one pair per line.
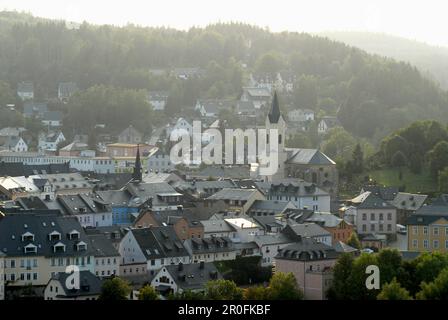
180, 128
158, 161
152, 248
327, 123
89, 287
269, 246
246, 229
13, 143
158, 100
301, 115
50, 141
25, 90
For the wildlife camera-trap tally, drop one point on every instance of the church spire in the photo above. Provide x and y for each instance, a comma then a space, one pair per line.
137, 174
274, 113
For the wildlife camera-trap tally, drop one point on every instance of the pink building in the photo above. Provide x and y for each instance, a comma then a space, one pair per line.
311, 262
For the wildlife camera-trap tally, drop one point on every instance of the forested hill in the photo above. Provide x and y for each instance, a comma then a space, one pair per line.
432, 60
372, 95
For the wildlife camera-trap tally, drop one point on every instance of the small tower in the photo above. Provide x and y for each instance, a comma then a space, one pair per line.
137, 174
275, 120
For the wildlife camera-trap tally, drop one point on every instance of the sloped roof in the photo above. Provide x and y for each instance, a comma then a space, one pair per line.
274, 114
195, 277
340, 246
368, 200
409, 201
307, 249
308, 156
233, 194
90, 285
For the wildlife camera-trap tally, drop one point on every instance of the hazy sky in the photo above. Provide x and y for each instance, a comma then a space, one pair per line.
421, 20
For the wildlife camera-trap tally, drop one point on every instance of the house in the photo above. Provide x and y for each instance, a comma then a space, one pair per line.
266, 80
308, 230
2, 275
127, 150
52, 118
185, 277
50, 141
25, 90
88, 208
16, 169
238, 200
246, 108
66, 90
38, 246
270, 245
158, 100
13, 143
12, 131
66, 183
312, 165
218, 228
12, 188
76, 149
339, 229
210, 249
427, 228
302, 194
210, 108
33, 109
373, 215
260, 97
107, 257
246, 229
186, 223
270, 208
159, 161
151, 248
301, 115
180, 128
130, 135
89, 287
327, 123
203, 189
311, 263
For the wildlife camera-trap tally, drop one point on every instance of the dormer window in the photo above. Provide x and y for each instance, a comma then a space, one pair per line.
27, 236
59, 247
54, 236
30, 248
73, 235
81, 246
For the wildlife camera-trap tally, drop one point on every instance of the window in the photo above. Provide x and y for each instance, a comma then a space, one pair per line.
415, 230
415, 243
364, 227
364, 216
425, 244
425, 231
381, 227
435, 244
389, 227
435, 231
372, 227
389, 216
381, 216
372, 217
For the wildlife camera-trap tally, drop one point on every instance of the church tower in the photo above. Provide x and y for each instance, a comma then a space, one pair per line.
275, 120
137, 174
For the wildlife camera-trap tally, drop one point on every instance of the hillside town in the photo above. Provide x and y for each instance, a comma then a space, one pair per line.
125, 210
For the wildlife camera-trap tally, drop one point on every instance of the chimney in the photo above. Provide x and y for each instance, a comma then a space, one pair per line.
201, 265
180, 267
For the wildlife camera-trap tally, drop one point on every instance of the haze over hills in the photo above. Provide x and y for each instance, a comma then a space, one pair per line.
432, 60
371, 95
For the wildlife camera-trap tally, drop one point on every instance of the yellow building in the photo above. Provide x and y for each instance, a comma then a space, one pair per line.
428, 232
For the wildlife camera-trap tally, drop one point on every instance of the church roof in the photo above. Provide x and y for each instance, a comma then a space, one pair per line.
307, 156
274, 113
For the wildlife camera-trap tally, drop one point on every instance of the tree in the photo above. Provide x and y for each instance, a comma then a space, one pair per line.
436, 290
340, 287
358, 277
354, 242
358, 159
443, 180
299, 140
115, 289
187, 295
283, 286
398, 159
394, 291
270, 62
223, 290
389, 262
429, 265
305, 92
256, 293
438, 157
338, 143
148, 293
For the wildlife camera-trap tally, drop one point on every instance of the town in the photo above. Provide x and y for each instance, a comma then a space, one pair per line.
97, 204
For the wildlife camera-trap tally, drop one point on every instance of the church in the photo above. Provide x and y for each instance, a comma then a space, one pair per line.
310, 165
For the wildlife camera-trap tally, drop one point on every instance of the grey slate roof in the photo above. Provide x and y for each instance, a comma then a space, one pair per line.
408, 201
307, 230
159, 242
13, 226
90, 285
308, 156
307, 249
274, 114
385, 193
342, 247
102, 246
195, 277
210, 245
233, 194
271, 206
368, 200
